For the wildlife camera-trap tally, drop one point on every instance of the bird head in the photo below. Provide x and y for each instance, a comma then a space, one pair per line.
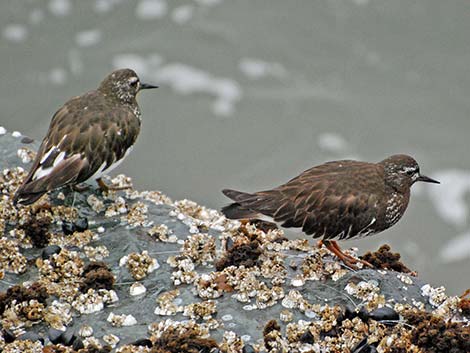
402, 171
123, 84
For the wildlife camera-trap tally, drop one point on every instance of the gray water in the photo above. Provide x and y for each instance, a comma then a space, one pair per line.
254, 92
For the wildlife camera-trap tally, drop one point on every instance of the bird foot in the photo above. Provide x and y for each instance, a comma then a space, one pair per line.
348, 260
80, 187
106, 188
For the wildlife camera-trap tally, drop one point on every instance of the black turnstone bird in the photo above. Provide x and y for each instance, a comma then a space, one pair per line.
87, 138
336, 200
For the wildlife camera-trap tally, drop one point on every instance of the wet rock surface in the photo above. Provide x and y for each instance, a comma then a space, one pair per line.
135, 271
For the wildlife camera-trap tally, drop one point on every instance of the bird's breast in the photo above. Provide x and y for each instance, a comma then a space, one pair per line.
394, 208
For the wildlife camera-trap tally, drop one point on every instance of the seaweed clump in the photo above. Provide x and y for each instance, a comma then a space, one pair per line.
271, 334
464, 304
387, 260
37, 230
433, 334
173, 341
20, 294
97, 275
240, 255
64, 349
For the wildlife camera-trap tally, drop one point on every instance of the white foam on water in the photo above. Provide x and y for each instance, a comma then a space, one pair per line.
456, 249
103, 6
449, 199
132, 61
256, 69
88, 38
60, 8
36, 16
15, 32
151, 9
361, 2
208, 2
57, 76
332, 142
185, 79
16, 134
182, 14
75, 61
3, 131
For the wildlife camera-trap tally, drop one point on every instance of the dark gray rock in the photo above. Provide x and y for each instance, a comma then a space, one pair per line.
121, 239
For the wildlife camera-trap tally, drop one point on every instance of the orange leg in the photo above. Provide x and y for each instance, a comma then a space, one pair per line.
105, 187
348, 260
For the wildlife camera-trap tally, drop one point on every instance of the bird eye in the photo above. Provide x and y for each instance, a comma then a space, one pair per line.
134, 83
410, 171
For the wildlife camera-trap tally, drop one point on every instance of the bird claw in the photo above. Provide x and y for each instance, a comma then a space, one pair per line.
348, 260
106, 188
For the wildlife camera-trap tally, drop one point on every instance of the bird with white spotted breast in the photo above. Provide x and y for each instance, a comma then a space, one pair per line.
336, 200
87, 138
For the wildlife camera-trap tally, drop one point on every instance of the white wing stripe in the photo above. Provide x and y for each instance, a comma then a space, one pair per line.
60, 157
41, 173
46, 155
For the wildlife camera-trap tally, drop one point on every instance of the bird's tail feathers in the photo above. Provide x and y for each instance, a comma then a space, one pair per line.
25, 198
237, 196
236, 211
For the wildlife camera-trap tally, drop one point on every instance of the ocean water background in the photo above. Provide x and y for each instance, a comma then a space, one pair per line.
255, 91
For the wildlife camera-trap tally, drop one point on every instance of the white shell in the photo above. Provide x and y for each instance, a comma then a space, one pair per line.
137, 288
85, 331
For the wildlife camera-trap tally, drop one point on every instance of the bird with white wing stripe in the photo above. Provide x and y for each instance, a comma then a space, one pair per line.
87, 138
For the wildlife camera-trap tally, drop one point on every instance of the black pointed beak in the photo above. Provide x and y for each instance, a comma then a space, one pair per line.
147, 86
427, 179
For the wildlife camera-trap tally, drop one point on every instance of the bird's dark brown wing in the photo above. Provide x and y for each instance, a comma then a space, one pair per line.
81, 140
326, 200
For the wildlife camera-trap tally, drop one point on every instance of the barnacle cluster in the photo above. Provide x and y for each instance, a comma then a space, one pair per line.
162, 233
139, 265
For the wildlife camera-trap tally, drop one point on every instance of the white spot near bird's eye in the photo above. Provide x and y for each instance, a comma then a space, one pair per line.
16, 134
88, 38
15, 33
133, 80
3, 131
409, 169
151, 9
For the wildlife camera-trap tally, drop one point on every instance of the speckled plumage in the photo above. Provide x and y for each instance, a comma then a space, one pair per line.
336, 200
87, 137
